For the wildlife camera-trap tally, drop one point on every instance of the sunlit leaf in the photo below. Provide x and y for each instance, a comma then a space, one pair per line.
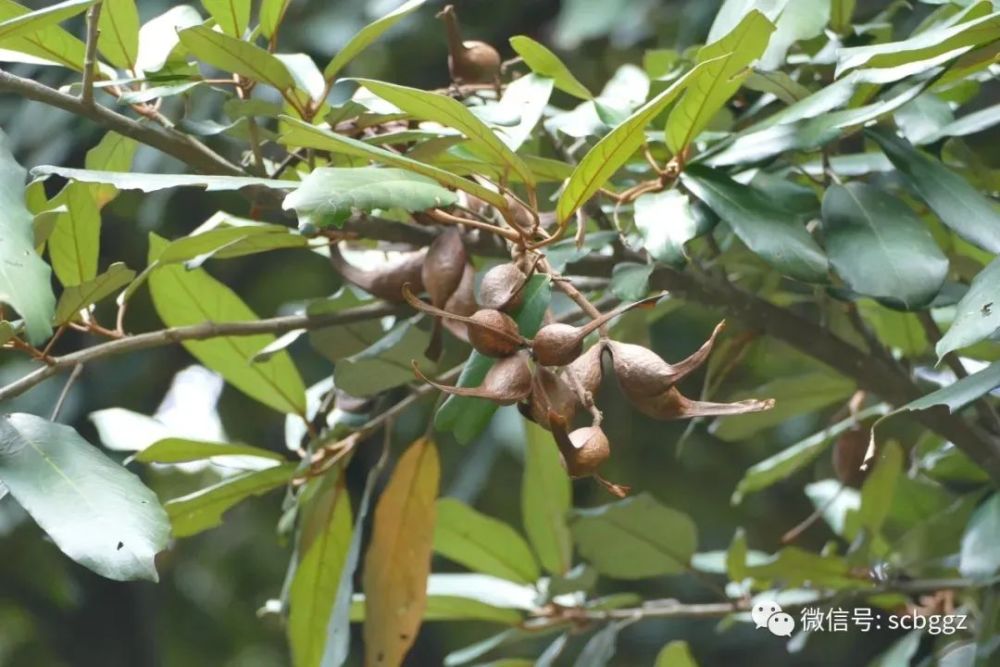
234, 55
114, 152
675, 654
398, 561
545, 63
976, 316
667, 220
119, 36
49, 43
181, 450
153, 182
74, 244
272, 13
97, 513
31, 23
77, 297
233, 16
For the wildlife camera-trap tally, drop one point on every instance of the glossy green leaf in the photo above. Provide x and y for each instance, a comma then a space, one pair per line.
959, 394
635, 538
544, 62
328, 195
114, 152
185, 297
364, 37
546, 499
467, 417
960, 206
159, 43
971, 123
977, 316
676, 654
233, 55
452, 113
615, 148
77, 297
630, 280
299, 133
386, 363
666, 221
880, 247
50, 43
154, 182
33, 22
790, 460
760, 224
25, 280
97, 513
181, 450
922, 46
725, 66
799, 21
980, 552
526, 99
733, 11
203, 509
233, 16
481, 543
74, 244
323, 545
119, 37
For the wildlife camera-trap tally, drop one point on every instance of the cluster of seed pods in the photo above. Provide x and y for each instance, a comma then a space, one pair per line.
549, 377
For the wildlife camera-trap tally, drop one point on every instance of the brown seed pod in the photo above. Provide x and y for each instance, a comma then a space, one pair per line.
468, 61
387, 281
583, 451
520, 215
585, 374
491, 332
502, 288
462, 302
508, 382
848, 455
550, 394
642, 372
444, 266
671, 404
559, 344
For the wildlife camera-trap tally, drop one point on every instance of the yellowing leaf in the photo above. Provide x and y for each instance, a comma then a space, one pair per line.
452, 113
398, 561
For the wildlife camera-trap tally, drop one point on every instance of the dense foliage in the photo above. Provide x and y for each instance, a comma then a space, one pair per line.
527, 266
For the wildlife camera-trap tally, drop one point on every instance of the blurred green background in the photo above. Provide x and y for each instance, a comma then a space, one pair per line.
204, 610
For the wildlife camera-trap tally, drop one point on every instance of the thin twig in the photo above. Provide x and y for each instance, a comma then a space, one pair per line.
77, 370
90, 59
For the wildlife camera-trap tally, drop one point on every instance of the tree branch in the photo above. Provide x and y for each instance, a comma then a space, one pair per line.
90, 59
185, 148
202, 331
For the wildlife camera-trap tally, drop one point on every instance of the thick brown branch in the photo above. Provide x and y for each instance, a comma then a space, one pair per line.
172, 142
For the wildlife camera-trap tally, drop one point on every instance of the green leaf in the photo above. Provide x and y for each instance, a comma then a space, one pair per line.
181, 450
272, 13
841, 13
726, 64
795, 567
960, 206
482, 543
666, 221
233, 55
159, 44
119, 37
600, 648
800, 20
630, 280
364, 37
759, 223
321, 564
50, 43
977, 315
545, 63
733, 11
793, 395
31, 23
25, 280
452, 113
958, 394
203, 509
972, 123
299, 133
615, 148
154, 182
980, 554
243, 237
794, 458
876, 494
386, 363
75, 242
921, 47
328, 195
97, 513
186, 297
77, 297
635, 538
466, 417
779, 84
546, 499
233, 16
524, 98
676, 654
880, 247
113, 152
